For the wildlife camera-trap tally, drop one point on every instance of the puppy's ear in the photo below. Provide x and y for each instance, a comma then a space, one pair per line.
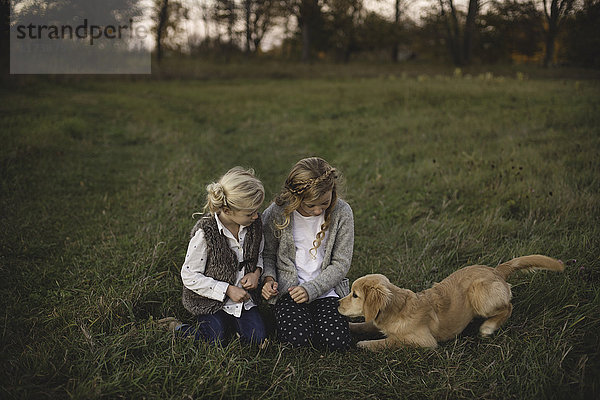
376, 298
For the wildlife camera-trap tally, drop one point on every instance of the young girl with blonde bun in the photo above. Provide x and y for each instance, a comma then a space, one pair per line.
309, 238
224, 262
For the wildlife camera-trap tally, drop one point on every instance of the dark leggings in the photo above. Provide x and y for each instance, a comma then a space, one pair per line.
318, 323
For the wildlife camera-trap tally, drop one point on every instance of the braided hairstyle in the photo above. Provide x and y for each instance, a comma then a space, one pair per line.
308, 180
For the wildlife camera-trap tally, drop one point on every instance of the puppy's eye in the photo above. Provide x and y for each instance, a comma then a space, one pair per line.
354, 295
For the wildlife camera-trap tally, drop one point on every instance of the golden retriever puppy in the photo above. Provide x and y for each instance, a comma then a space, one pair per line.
439, 313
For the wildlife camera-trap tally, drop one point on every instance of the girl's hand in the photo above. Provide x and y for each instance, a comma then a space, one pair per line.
250, 281
236, 294
269, 289
298, 294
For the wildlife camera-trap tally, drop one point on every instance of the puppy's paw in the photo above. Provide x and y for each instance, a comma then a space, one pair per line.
486, 331
363, 344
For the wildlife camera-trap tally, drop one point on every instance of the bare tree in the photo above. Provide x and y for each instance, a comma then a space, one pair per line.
396, 44
452, 30
555, 12
400, 8
168, 15
308, 14
161, 23
226, 12
460, 39
470, 30
259, 17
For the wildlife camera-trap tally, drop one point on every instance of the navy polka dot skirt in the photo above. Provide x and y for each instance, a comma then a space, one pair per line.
317, 323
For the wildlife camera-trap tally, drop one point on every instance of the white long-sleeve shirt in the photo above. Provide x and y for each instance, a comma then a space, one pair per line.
194, 266
305, 231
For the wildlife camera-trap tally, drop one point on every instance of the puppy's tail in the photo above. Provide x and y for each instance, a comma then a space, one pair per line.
529, 263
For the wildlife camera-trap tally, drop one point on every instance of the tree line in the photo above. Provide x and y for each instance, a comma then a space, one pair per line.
458, 31
544, 31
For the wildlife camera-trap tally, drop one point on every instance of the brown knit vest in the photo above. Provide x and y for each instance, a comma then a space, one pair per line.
222, 263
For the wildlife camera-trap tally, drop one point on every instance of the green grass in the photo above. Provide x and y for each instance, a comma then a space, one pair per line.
100, 179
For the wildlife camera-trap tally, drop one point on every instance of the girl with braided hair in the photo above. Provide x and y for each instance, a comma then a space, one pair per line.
309, 238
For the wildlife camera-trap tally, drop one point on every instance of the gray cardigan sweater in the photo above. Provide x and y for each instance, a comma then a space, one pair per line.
279, 253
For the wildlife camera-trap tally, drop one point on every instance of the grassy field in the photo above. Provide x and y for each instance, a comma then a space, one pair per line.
100, 179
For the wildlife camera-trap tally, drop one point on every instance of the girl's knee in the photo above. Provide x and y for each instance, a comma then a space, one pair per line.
334, 336
251, 327
256, 336
213, 334
296, 334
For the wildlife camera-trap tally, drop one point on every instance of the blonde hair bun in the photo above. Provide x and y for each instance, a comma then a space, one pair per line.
215, 196
238, 189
